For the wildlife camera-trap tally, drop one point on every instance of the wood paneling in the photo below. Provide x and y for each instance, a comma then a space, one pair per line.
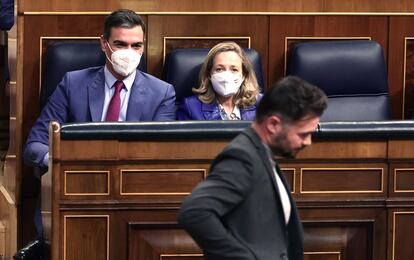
146, 150
157, 241
290, 178
193, 27
220, 6
91, 149
181, 257
171, 43
401, 149
322, 256
9, 220
404, 180
321, 179
320, 27
401, 181
402, 231
86, 237
160, 181
170, 149
408, 87
2, 240
267, 33
358, 149
343, 202
355, 232
342, 180
338, 241
400, 28
86, 183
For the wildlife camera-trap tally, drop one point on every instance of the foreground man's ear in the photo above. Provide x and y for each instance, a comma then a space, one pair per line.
273, 124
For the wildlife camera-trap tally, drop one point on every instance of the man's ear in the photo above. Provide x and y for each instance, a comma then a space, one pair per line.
103, 42
273, 124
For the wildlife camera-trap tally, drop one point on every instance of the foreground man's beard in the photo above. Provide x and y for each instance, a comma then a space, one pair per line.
280, 152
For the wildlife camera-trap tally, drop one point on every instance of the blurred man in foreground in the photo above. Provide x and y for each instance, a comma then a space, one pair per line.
244, 209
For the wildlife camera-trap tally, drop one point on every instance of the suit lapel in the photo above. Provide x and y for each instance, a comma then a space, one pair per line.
269, 170
263, 154
137, 99
282, 177
96, 96
294, 227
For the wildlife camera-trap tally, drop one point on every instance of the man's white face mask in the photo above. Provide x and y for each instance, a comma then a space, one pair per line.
226, 83
124, 61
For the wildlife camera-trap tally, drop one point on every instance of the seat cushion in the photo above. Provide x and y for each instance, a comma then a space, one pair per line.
352, 73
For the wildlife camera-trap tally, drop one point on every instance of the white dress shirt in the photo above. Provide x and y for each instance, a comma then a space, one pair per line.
283, 193
125, 93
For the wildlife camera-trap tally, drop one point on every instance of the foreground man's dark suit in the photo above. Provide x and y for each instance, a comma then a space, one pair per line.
236, 213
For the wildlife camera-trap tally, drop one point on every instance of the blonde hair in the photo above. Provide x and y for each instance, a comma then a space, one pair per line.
249, 89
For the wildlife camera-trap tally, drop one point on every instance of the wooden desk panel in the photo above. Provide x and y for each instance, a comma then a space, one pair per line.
129, 193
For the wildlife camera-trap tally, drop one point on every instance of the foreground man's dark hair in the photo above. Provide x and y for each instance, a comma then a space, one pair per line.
292, 98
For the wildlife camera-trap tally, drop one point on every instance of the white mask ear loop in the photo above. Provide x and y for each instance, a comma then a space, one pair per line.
106, 55
107, 43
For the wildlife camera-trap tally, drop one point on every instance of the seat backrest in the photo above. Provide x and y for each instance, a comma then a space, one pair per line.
182, 68
65, 56
352, 73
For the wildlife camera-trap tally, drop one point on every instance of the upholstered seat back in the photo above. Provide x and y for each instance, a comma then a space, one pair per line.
62, 57
182, 68
352, 73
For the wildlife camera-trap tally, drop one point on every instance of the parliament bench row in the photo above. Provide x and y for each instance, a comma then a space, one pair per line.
354, 184
352, 73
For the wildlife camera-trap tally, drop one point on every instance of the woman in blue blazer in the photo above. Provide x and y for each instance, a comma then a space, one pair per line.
228, 87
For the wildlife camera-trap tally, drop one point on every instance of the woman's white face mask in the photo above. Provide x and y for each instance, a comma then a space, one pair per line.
124, 61
226, 83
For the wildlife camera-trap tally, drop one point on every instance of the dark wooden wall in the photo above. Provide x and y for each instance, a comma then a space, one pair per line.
268, 26
374, 6
4, 99
355, 197
270, 34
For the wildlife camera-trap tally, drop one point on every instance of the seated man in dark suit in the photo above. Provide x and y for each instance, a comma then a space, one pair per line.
86, 95
244, 209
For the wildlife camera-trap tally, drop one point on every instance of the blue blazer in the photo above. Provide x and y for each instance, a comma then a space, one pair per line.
79, 97
191, 108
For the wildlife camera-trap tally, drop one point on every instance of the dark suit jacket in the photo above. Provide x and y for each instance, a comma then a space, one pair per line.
79, 97
236, 212
6, 14
191, 108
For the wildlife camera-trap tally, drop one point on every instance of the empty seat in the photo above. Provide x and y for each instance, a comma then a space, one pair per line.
352, 73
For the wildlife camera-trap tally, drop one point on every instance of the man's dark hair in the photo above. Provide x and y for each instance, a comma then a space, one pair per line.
122, 18
292, 99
